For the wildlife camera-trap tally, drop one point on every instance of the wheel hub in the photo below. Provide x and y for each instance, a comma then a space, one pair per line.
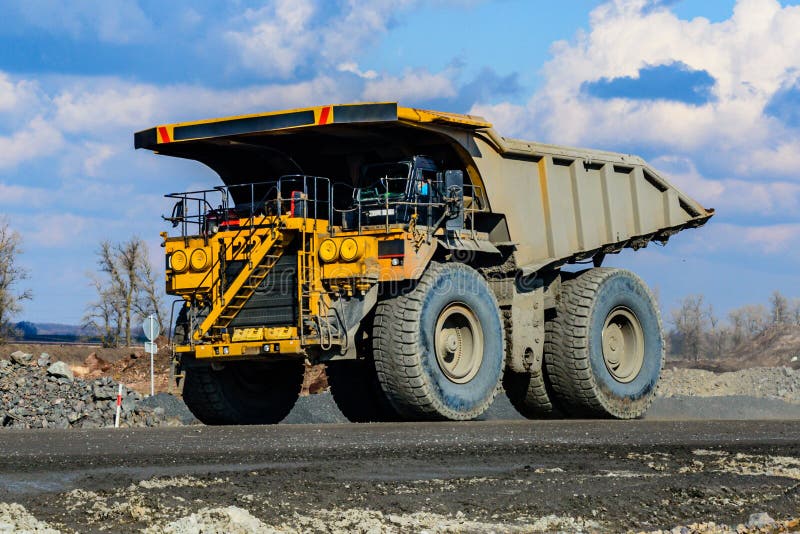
458, 343
623, 344
452, 343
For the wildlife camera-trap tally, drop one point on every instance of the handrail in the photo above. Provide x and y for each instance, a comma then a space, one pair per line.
273, 202
313, 191
218, 261
310, 186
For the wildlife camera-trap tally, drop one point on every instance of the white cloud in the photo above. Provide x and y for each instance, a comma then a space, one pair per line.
731, 196
750, 56
38, 138
88, 159
17, 195
362, 22
781, 241
285, 36
278, 39
782, 158
61, 230
97, 106
352, 67
17, 95
99, 153
412, 85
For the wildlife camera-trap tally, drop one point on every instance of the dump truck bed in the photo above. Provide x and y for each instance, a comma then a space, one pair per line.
564, 203
557, 204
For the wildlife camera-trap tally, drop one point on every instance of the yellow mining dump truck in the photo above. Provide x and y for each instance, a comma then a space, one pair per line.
419, 255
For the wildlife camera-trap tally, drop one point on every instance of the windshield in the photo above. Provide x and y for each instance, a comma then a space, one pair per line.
387, 177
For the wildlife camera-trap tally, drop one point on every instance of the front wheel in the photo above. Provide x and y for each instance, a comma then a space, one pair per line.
439, 349
357, 393
607, 349
243, 393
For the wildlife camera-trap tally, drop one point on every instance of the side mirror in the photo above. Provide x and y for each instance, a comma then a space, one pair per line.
454, 197
177, 213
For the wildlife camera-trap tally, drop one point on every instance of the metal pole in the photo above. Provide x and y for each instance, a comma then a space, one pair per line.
152, 371
119, 405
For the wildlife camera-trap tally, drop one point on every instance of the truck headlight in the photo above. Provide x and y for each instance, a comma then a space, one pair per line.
350, 251
198, 259
178, 261
328, 250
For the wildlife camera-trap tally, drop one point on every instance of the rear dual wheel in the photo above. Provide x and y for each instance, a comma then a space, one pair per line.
605, 350
530, 392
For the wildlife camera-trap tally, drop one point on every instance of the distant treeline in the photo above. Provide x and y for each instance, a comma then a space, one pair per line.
59, 339
695, 331
55, 333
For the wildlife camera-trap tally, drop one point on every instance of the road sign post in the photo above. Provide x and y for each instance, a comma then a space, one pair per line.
151, 330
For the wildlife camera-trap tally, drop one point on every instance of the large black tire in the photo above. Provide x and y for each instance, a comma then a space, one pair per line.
180, 335
243, 393
357, 392
439, 349
607, 345
530, 393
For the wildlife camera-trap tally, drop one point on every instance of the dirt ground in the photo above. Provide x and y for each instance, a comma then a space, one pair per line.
501, 477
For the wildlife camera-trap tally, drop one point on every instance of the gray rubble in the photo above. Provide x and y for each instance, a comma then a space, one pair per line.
38, 393
60, 369
32, 396
781, 383
21, 358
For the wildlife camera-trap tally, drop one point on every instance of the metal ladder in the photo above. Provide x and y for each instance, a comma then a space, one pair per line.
261, 259
305, 279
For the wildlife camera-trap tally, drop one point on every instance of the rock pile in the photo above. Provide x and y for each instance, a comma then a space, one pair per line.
762, 382
40, 394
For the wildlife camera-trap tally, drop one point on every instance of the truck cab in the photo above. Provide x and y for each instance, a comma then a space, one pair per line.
391, 191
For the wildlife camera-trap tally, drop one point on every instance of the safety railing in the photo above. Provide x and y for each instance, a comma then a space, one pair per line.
245, 208
389, 209
296, 195
313, 197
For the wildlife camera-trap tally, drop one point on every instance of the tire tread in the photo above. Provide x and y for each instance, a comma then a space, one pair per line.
567, 351
398, 361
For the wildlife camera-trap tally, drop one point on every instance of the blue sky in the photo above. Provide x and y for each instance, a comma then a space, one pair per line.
707, 91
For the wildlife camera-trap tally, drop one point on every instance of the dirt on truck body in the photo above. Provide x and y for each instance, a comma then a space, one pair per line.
418, 254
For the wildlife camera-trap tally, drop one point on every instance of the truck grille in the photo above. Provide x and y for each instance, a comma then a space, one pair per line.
274, 303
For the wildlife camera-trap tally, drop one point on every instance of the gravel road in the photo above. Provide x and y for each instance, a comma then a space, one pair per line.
491, 476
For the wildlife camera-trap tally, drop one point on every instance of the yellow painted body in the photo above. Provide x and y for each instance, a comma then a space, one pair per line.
353, 268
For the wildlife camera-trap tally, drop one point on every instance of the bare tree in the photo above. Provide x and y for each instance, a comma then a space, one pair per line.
719, 335
795, 312
103, 315
151, 296
780, 309
748, 322
11, 274
691, 324
126, 292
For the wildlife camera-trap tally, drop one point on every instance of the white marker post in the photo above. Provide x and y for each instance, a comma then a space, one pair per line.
151, 330
119, 406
